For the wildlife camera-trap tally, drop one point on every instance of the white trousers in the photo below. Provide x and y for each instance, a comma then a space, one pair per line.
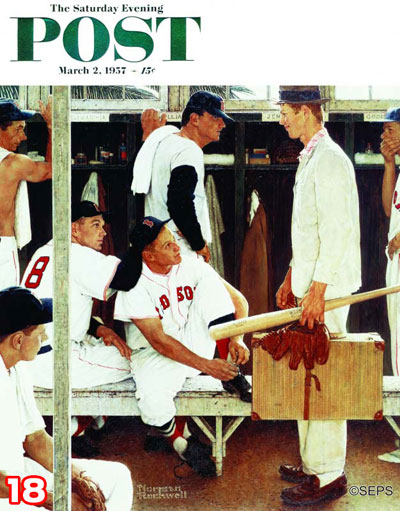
113, 478
91, 365
158, 378
323, 442
9, 263
393, 307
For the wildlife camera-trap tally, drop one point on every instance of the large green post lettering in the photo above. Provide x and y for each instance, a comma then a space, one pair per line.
178, 36
25, 35
71, 39
133, 39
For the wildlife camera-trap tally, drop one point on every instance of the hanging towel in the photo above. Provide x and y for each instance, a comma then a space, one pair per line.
91, 189
217, 227
22, 224
142, 168
23, 233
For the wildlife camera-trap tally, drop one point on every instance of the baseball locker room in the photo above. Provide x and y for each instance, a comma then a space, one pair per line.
249, 180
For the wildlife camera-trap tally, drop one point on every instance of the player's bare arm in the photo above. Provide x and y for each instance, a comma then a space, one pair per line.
313, 304
205, 252
284, 290
39, 446
394, 245
151, 120
169, 347
46, 112
238, 350
110, 338
389, 177
390, 146
23, 167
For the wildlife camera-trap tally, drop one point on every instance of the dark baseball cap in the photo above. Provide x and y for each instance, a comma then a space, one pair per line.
392, 115
146, 231
211, 103
87, 209
300, 94
10, 112
20, 309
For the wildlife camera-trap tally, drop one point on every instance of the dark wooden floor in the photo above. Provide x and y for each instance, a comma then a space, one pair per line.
250, 480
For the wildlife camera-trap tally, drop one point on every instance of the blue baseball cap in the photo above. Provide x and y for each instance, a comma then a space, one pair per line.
392, 115
210, 102
10, 112
20, 309
146, 231
87, 209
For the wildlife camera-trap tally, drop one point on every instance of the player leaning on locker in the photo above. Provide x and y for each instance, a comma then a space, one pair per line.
169, 169
22, 429
176, 299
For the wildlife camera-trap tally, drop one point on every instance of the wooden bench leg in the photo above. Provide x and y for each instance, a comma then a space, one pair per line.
218, 437
394, 424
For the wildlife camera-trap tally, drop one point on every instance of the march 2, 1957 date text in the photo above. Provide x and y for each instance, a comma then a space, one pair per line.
94, 70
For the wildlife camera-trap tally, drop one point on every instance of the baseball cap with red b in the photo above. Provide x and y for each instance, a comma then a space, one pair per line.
146, 231
20, 309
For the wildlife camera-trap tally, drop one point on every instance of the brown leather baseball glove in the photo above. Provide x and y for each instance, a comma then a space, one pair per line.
304, 344
89, 492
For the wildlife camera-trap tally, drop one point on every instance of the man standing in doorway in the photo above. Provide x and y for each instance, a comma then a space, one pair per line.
326, 263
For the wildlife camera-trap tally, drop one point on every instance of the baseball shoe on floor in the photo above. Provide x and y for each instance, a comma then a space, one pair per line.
198, 459
292, 474
391, 457
239, 385
83, 447
309, 492
154, 443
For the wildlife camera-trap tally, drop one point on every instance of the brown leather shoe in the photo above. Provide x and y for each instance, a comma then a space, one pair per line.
309, 492
292, 474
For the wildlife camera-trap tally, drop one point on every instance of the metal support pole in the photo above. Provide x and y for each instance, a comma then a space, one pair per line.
62, 237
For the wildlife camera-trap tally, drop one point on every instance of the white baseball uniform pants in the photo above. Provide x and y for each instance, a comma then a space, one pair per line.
393, 307
113, 478
9, 263
323, 442
158, 378
90, 365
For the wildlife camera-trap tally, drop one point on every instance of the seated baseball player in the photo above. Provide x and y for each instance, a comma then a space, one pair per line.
22, 330
169, 311
98, 354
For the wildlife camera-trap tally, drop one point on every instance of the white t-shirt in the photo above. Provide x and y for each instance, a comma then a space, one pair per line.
19, 416
90, 275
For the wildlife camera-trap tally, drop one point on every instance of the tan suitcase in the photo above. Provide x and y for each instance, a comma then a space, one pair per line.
348, 386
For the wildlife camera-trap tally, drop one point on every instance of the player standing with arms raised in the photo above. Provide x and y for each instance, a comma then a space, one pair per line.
15, 170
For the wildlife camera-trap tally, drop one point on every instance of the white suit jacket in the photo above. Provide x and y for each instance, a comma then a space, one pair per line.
325, 222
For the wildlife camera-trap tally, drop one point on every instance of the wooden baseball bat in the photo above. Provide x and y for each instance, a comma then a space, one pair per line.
270, 319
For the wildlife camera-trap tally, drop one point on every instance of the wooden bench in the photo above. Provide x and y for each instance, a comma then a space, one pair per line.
201, 396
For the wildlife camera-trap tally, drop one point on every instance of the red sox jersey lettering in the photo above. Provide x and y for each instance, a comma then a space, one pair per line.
182, 292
